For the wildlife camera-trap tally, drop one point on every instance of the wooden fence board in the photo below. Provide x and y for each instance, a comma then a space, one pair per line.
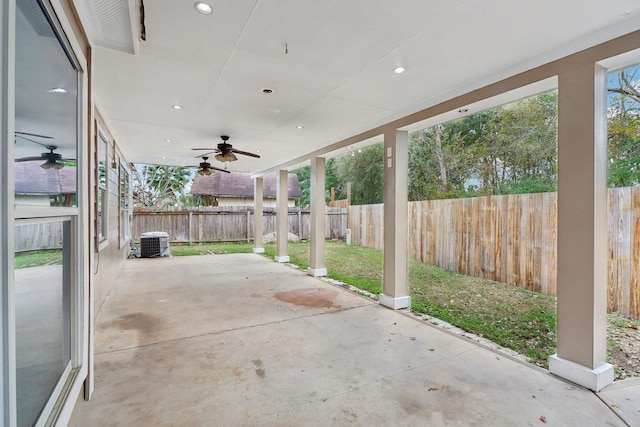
231, 225
512, 239
40, 236
634, 237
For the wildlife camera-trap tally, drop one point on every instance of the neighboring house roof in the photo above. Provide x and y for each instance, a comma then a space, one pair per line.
30, 178
238, 184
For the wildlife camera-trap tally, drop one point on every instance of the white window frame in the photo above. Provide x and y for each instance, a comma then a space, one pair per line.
124, 203
102, 190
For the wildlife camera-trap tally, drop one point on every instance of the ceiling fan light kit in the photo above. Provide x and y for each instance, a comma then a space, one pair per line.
225, 152
52, 164
227, 156
205, 168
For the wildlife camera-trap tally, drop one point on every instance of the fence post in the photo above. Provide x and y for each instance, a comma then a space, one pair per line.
248, 225
189, 227
299, 223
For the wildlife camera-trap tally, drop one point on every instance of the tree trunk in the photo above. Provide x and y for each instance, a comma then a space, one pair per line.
443, 170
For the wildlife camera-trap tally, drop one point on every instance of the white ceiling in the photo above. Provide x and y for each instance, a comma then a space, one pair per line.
329, 63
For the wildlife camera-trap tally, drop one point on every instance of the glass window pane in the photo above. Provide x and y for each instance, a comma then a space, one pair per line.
42, 306
46, 112
124, 204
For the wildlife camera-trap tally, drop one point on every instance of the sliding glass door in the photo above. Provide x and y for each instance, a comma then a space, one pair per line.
45, 293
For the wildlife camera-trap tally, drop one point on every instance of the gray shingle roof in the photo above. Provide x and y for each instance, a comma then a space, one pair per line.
30, 178
238, 184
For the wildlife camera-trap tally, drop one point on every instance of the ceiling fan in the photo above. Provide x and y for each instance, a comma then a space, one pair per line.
226, 151
205, 168
51, 159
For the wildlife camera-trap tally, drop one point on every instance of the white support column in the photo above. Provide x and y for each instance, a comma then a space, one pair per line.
282, 216
582, 229
396, 159
258, 227
317, 266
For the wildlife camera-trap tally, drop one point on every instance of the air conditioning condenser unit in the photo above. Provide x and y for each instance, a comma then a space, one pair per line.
154, 244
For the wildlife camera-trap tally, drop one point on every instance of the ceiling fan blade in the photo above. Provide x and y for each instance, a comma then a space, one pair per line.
196, 149
34, 134
207, 154
48, 147
219, 169
245, 153
29, 159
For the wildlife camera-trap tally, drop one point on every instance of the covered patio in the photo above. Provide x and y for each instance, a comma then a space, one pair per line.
241, 340
102, 86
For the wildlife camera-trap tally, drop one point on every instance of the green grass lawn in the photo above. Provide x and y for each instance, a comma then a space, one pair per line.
212, 249
38, 258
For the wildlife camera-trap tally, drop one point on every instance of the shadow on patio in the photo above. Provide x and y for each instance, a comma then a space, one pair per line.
235, 340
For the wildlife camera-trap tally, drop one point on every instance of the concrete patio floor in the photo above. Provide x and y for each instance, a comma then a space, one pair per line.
239, 340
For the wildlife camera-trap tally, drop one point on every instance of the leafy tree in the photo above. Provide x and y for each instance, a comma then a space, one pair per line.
364, 169
427, 168
304, 177
624, 128
155, 185
334, 181
331, 180
524, 134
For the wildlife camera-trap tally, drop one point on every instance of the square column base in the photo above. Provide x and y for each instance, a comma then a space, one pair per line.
283, 258
395, 303
593, 379
258, 250
317, 272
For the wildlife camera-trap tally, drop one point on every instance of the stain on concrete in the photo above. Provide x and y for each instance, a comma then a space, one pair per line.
310, 297
261, 373
411, 407
136, 321
256, 295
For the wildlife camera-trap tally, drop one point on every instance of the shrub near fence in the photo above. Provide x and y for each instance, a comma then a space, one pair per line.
511, 239
224, 224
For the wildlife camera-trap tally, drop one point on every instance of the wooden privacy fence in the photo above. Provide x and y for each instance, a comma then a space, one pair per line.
40, 236
511, 239
222, 224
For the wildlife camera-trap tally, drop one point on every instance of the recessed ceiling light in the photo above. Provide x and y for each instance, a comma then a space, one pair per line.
164, 157
267, 91
463, 110
167, 140
177, 107
203, 8
398, 70
299, 127
57, 90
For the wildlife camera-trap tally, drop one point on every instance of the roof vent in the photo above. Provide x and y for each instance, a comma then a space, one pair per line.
113, 24
116, 19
